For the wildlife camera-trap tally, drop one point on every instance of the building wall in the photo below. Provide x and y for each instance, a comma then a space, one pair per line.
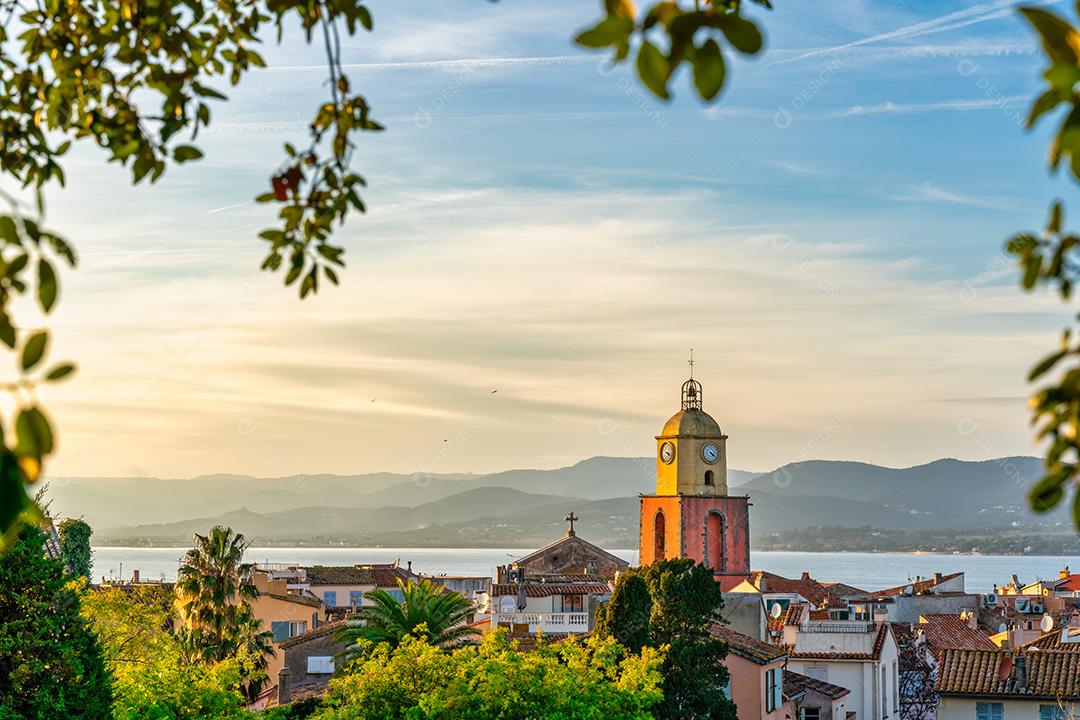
295, 658
572, 555
963, 708
908, 608
342, 592
670, 506
685, 532
829, 708
748, 689
269, 610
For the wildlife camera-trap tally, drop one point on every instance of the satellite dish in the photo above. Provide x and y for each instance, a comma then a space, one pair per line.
777, 611
1003, 628
1047, 623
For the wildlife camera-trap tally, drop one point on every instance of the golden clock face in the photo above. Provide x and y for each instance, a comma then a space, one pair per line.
667, 452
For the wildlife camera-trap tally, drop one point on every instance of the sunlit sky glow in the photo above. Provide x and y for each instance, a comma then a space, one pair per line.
827, 238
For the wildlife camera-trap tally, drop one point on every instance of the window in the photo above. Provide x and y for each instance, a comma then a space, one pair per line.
356, 598
810, 713
990, 711
714, 541
1052, 712
573, 603
396, 594
283, 630
659, 533
774, 689
320, 665
860, 612
330, 597
709, 478
727, 687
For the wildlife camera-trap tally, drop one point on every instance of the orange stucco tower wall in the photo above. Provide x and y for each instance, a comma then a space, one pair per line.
691, 515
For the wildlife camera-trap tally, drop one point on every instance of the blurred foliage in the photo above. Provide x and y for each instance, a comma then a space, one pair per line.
669, 33
1049, 259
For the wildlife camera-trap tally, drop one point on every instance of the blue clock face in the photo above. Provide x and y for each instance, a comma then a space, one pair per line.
710, 453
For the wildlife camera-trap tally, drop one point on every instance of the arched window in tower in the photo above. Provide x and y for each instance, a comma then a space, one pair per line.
715, 555
709, 478
659, 536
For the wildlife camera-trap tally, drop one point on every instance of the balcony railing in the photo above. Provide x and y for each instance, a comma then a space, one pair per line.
546, 622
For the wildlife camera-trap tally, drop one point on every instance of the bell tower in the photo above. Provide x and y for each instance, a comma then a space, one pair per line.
691, 514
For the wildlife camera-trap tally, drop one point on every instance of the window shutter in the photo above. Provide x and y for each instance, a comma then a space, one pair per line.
778, 688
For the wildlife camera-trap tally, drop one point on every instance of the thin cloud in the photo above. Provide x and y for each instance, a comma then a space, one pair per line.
455, 64
934, 193
951, 21
887, 108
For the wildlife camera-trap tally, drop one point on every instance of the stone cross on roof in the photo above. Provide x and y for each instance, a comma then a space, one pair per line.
571, 518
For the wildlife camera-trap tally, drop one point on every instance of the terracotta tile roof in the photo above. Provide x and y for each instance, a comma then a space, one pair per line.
1006, 674
919, 586
377, 575
747, 647
790, 617
842, 590
1062, 640
812, 590
797, 683
324, 629
549, 589
1069, 584
309, 600
950, 632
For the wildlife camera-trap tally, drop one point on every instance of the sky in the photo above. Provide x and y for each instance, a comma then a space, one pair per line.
827, 237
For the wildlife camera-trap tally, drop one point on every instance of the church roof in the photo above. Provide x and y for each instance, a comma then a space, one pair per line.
571, 540
691, 422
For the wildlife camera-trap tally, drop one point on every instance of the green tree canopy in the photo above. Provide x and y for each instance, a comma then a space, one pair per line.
571, 680
51, 665
427, 610
75, 546
684, 603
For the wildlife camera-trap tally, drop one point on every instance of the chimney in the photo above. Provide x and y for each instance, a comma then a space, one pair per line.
284, 692
937, 578
1016, 582
134, 577
410, 566
1064, 573
805, 575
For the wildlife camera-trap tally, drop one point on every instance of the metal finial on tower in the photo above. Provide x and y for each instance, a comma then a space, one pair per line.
691, 389
691, 363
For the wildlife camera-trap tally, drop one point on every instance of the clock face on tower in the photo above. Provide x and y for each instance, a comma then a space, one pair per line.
709, 453
667, 452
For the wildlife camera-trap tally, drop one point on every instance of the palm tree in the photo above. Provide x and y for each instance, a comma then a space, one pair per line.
427, 610
214, 590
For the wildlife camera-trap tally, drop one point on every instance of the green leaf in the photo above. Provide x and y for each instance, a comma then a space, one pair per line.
8, 232
1046, 364
608, 31
1046, 493
708, 69
34, 437
34, 349
652, 69
743, 34
47, 285
7, 331
184, 153
1054, 225
59, 372
1057, 34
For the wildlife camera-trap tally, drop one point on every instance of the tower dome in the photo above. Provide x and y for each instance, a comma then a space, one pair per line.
691, 423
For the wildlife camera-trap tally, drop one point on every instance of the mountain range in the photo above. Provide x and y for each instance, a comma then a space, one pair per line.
521, 508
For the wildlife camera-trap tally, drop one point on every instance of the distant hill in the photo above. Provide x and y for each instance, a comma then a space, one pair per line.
463, 511
116, 502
